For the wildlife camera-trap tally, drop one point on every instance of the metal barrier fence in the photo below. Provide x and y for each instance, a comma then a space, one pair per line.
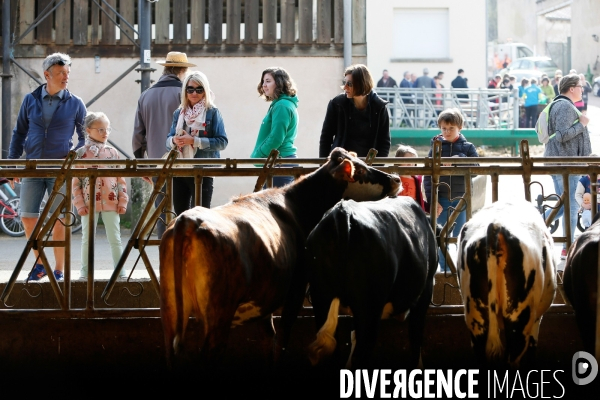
495, 167
482, 108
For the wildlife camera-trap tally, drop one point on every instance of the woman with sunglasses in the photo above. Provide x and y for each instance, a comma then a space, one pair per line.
357, 119
198, 131
279, 127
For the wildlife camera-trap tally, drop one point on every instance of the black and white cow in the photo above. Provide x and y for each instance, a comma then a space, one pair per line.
378, 258
580, 282
238, 262
507, 273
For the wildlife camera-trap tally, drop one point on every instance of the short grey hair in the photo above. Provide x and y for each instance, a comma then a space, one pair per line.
567, 82
54, 59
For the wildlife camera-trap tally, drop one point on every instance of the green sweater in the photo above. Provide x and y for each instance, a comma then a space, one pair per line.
549, 92
278, 129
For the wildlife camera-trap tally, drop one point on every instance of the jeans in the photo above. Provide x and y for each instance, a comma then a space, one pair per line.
32, 194
280, 181
184, 193
112, 223
559, 188
460, 221
531, 114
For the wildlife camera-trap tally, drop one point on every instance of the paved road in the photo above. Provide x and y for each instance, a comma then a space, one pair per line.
11, 248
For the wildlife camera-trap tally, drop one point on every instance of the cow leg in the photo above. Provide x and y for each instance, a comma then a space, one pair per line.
290, 311
367, 322
267, 340
416, 325
518, 336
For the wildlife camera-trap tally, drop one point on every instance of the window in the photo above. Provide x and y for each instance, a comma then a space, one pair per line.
524, 52
421, 33
545, 64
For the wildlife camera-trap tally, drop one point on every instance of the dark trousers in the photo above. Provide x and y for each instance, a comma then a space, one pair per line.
184, 193
531, 115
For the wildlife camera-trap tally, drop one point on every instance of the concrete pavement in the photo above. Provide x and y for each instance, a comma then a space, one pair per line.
11, 249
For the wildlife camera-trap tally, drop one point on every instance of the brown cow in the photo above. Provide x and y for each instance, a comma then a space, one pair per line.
237, 262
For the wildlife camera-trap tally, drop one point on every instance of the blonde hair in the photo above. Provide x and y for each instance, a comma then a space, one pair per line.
200, 79
404, 149
92, 117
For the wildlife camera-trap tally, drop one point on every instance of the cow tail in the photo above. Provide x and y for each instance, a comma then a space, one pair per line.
325, 343
179, 240
496, 251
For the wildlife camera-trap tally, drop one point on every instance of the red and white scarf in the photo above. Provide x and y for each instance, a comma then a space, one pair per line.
194, 117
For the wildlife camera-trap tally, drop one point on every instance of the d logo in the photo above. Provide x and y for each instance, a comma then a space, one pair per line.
584, 368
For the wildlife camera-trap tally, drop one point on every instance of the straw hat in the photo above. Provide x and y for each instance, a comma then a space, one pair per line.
176, 59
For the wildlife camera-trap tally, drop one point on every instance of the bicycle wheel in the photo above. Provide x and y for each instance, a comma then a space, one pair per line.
10, 220
76, 226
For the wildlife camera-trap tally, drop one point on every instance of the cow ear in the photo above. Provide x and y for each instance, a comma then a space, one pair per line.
353, 154
344, 171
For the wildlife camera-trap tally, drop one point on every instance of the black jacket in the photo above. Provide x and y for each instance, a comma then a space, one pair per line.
338, 117
460, 148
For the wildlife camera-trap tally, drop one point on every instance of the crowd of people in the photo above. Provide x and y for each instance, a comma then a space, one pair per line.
534, 93
410, 80
179, 113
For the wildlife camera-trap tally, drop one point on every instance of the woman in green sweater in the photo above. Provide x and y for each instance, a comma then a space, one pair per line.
280, 126
548, 90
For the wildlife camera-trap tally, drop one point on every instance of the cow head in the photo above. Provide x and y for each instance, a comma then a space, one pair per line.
363, 182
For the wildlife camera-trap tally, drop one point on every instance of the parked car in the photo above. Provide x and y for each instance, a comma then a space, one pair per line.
596, 87
531, 67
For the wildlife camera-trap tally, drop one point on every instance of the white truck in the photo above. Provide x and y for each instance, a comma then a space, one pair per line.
502, 53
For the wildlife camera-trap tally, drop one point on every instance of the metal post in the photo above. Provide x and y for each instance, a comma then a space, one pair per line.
145, 19
6, 79
347, 33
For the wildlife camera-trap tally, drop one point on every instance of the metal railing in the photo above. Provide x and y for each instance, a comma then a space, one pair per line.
165, 170
482, 108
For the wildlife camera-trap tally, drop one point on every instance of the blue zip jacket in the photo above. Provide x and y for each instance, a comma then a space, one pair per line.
30, 132
457, 186
215, 133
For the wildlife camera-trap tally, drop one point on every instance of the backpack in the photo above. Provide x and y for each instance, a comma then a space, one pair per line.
542, 127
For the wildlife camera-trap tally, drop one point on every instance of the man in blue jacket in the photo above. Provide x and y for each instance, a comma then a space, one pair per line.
44, 130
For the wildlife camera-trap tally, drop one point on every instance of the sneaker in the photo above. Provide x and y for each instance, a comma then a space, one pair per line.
83, 273
58, 275
563, 254
38, 273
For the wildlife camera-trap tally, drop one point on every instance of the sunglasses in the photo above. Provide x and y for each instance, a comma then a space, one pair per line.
62, 63
346, 83
191, 90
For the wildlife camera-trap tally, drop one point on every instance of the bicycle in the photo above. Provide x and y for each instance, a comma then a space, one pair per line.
10, 217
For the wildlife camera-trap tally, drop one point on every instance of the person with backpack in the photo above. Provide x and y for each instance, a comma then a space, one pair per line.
567, 136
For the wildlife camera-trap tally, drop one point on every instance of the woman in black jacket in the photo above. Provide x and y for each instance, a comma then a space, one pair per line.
357, 119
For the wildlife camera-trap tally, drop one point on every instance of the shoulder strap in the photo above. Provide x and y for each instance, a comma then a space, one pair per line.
550, 119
